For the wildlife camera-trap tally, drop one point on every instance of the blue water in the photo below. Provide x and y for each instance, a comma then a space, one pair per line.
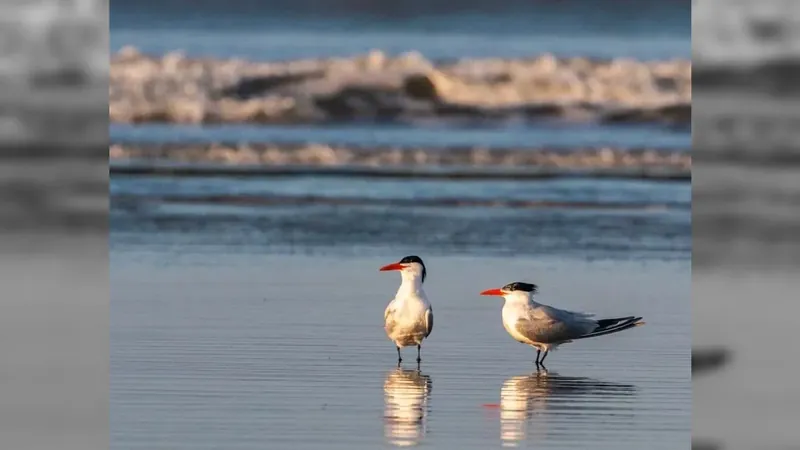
300, 29
676, 195
521, 136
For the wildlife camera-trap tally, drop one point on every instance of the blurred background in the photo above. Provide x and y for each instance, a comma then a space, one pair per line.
53, 132
267, 157
54, 224
745, 219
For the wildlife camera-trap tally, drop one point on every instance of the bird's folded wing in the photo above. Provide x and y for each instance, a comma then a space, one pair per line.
428, 321
544, 331
547, 324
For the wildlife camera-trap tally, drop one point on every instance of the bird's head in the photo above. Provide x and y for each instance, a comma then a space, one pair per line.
517, 288
410, 267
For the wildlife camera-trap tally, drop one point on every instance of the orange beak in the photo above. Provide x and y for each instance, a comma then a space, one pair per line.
497, 292
392, 266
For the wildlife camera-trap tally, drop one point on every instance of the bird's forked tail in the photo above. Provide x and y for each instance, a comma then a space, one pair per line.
608, 326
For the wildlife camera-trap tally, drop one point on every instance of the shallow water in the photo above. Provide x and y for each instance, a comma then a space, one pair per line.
597, 219
245, 351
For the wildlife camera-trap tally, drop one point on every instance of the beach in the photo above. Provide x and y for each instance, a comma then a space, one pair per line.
265, 163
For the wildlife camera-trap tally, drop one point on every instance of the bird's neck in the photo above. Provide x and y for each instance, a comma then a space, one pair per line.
519, 300
411, 286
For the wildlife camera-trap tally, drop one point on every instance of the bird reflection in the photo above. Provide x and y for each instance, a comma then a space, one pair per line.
406, 395
546, 393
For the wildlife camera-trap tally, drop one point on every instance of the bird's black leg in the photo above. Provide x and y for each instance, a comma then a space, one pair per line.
541, 361
537, 356
419, 349
399, 358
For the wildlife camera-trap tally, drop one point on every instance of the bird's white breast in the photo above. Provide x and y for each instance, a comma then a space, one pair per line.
409, 308
407, 320
512, 311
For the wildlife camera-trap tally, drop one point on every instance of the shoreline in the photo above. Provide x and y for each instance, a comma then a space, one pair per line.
174, 88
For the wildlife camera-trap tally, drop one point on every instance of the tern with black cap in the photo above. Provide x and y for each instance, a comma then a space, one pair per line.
408, 320
545, 327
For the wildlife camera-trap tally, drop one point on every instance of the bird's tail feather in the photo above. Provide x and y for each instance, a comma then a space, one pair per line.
608, 326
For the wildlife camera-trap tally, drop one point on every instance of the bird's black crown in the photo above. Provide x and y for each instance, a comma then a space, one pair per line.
520, 286
418, 260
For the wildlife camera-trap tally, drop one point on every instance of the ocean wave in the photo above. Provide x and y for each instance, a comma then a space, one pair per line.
409, 87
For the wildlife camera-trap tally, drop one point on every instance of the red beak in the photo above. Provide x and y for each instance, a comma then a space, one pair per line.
498, 292
392, 266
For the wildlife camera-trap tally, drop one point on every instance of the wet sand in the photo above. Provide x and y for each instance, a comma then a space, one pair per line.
246, 350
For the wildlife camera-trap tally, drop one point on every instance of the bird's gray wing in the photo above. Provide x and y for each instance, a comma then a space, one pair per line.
428, 321
561, 314
545, 324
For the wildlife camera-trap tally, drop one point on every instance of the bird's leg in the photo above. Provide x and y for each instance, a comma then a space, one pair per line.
399, 358
537, 356
541, 361
419, 358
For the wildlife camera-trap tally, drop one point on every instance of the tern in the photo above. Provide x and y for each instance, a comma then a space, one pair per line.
545, 327
408, 319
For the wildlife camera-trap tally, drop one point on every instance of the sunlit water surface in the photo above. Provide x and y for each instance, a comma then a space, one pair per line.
236, 350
